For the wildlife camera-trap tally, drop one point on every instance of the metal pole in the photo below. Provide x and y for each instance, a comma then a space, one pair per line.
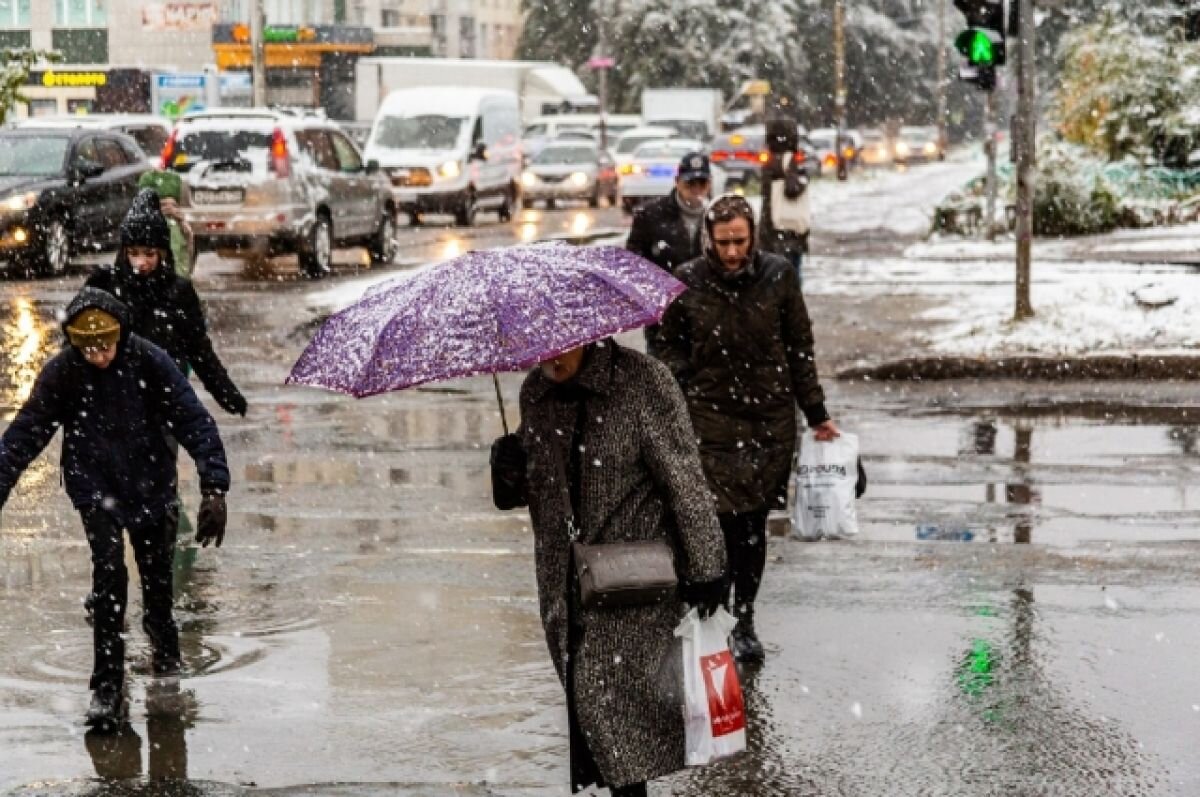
1026, 142
989, 138
258, 73
602, 46
839, 99
942, 85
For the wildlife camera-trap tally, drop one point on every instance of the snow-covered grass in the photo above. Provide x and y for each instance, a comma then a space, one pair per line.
1082, 308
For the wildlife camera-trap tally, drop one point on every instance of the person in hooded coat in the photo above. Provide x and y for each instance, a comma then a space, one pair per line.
740, 344
116, 395
605, 448
164, 307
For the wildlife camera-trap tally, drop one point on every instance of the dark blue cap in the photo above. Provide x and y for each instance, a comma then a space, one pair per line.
694, 166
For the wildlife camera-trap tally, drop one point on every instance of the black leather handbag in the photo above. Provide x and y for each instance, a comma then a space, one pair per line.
624, 573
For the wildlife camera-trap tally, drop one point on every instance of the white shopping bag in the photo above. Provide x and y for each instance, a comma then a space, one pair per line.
714, 710
825, 476
792, 215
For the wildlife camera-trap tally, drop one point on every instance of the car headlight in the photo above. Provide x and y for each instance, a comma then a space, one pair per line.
528, 179
930, 148
579, 179
19, 202
901, 148
449, 170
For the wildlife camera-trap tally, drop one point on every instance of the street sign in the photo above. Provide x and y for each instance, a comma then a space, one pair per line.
601, 62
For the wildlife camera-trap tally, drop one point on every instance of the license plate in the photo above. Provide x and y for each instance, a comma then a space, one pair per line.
221, 196
662, 171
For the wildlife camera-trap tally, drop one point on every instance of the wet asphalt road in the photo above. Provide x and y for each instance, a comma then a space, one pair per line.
1018, 616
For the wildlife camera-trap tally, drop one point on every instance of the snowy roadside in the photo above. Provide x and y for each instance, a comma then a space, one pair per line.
1083, 309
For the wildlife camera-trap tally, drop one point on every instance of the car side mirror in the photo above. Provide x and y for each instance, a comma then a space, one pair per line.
480, 152
86, 169
372, 166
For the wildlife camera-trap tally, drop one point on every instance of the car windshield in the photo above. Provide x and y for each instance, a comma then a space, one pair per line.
32, 157
821, 142
561, 156
221, 146
430, 131
628, 144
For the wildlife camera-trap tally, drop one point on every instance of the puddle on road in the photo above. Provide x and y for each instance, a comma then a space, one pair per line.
1056, 479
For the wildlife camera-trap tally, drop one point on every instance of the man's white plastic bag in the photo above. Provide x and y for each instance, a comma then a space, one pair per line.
714, 710
825, 476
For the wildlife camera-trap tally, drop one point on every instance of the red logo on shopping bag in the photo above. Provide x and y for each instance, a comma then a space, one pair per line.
725, 705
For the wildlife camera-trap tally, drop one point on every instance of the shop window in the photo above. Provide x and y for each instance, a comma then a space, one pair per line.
80, 13
80, 107
14, 14
43, 107
81, 45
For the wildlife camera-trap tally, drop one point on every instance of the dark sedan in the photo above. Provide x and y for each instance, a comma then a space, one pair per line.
63, 191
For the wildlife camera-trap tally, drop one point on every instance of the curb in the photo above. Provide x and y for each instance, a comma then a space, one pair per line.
1104, 367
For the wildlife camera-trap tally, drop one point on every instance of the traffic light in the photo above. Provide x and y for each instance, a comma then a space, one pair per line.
983, 42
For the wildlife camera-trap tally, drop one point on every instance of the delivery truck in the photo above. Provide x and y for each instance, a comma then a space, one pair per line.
541, 86
695, 113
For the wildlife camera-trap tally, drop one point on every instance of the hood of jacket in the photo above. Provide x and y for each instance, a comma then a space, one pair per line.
89, 298
710, 251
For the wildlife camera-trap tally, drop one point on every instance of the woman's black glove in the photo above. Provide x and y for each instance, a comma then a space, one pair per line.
508, 472
210, 523
860, 486
705, 596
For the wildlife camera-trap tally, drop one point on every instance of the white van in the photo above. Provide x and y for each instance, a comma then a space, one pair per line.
450, 150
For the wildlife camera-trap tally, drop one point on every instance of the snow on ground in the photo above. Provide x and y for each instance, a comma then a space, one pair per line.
900, 201
1081, 308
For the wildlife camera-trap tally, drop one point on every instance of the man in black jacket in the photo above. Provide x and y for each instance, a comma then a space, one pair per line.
666, 231
116, 395
163, 307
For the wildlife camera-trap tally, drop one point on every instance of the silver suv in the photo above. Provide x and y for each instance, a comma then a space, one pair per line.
268, 182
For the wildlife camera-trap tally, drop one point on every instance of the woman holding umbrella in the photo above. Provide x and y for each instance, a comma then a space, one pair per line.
605, 455
605, 447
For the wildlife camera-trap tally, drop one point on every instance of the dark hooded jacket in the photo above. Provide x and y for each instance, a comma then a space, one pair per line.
742, 350
115, 424
163, 307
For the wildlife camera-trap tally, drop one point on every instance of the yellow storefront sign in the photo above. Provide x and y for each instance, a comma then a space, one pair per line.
52, 79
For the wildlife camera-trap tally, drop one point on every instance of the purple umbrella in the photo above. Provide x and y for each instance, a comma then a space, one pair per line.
484, 312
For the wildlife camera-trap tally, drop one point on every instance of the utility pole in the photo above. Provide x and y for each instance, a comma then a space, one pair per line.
989, 148
258, 71
1026, 140
839, 96
942, 86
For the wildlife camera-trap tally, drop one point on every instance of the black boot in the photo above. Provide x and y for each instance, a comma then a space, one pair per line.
743, 641
108, 710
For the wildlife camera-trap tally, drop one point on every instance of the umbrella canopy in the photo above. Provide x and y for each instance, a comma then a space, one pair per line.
484, 312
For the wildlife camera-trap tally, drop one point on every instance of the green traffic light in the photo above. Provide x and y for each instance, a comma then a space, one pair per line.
977, 46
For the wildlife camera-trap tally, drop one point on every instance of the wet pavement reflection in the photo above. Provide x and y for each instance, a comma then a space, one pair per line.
1016, 617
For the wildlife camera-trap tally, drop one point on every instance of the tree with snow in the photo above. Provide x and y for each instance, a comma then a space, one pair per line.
19, 61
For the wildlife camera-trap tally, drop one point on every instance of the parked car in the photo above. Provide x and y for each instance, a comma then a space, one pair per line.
64, 190
570, 170
149, 131
631, 139
450, 150
651, 172
917, 145
822, 140
273, 182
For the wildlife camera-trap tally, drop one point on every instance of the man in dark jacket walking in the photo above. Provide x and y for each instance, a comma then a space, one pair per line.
666, 231
163, 307
116, 395
740, 344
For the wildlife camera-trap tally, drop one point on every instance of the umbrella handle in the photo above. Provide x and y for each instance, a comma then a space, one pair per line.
500, 401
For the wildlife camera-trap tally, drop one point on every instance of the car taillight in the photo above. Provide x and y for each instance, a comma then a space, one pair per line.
719, 156
168, 150
626, 168
800, 156
763, 157
279, 154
